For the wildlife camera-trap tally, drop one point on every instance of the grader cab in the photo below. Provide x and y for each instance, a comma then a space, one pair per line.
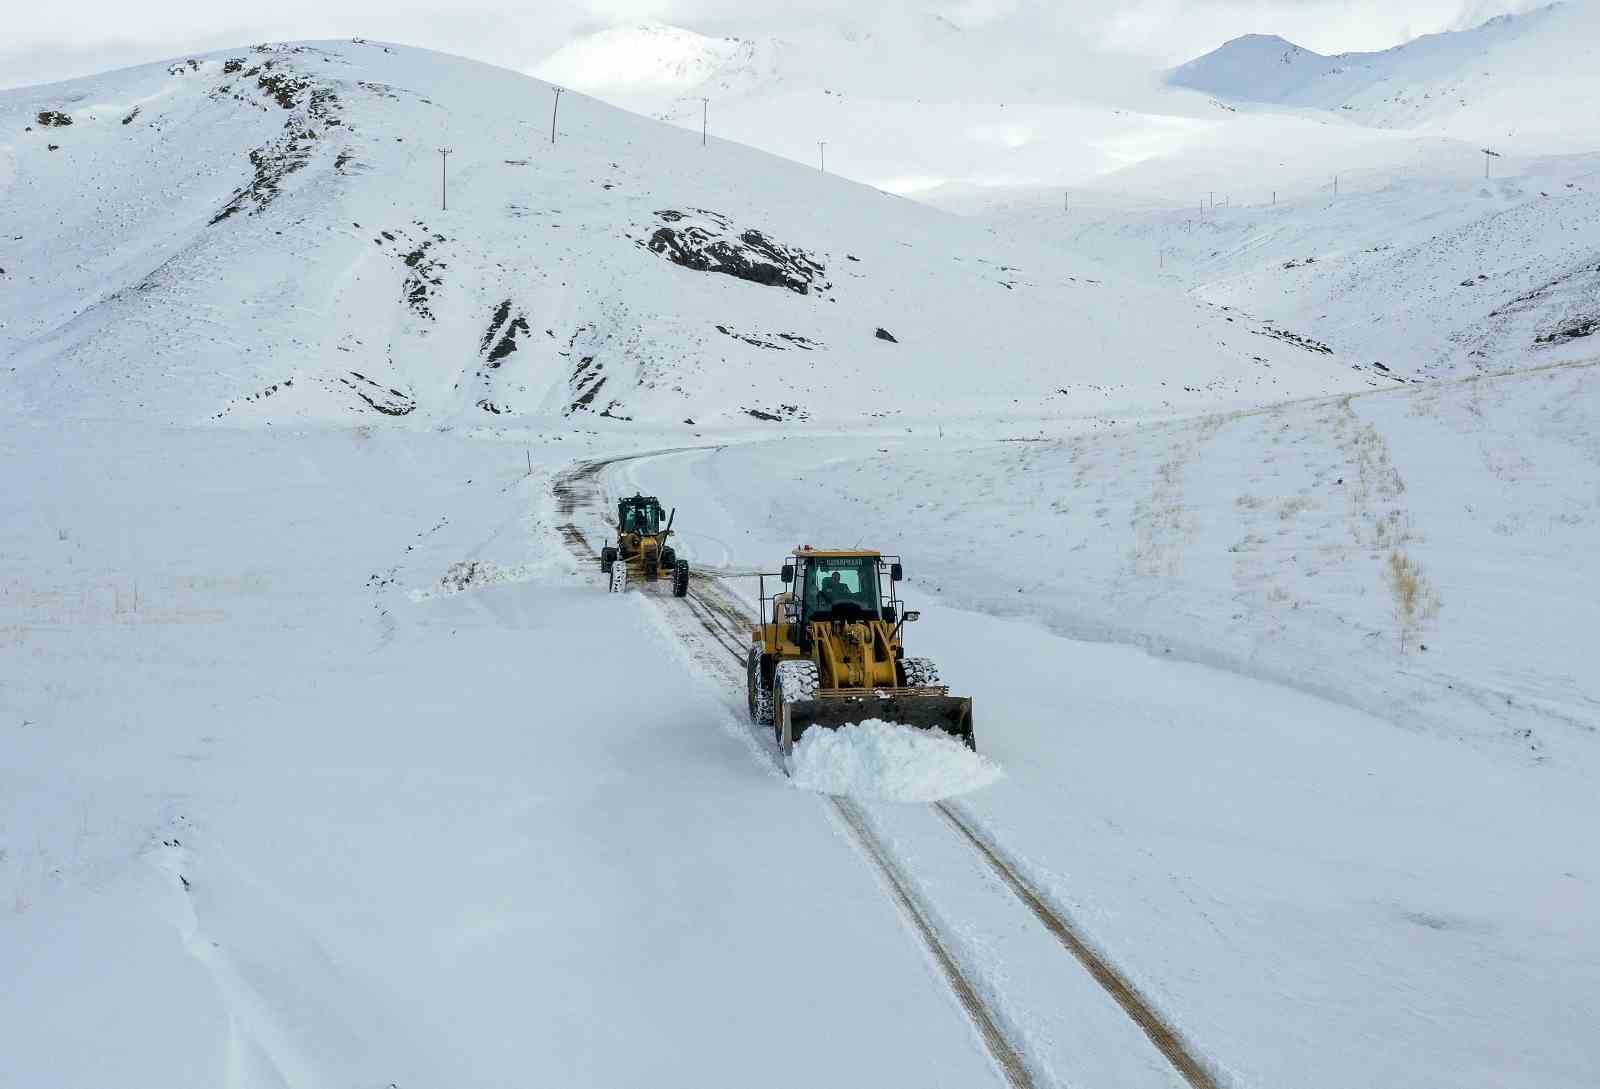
829, 652
641, 551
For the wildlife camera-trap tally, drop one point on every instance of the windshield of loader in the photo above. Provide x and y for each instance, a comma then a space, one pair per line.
840, 581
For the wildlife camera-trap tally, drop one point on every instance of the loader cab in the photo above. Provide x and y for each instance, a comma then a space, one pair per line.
838, 588
816, 586
639, 514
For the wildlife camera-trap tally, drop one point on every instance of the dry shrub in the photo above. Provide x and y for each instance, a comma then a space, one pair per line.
1415, 601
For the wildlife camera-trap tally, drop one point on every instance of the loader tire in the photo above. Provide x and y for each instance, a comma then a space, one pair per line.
608, 556
680, 578
791, 682
919, 673
758, 688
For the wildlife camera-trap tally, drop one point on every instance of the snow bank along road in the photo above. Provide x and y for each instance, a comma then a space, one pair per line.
715, 623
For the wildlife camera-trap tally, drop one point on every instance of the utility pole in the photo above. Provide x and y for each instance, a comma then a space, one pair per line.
444, 200
1066, 202
705, 119
822, 150
1487, 155
553, 110
1336, 185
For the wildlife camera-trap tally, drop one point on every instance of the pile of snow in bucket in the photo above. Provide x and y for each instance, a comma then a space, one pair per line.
876, 759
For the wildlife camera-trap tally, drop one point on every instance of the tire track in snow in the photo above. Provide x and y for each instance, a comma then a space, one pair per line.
1000, 1049
720, 614
708, 620
1167, 1039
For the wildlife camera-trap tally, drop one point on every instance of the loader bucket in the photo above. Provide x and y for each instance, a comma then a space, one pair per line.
925, 711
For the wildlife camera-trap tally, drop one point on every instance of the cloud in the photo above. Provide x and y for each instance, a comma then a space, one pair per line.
87, 36
50, 42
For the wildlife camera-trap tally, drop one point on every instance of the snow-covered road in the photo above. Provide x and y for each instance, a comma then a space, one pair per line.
1066, 1022
336, 766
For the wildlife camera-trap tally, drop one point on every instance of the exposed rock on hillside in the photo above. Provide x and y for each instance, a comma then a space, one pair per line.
704, 241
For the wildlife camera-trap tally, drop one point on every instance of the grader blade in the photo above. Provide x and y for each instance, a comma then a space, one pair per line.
908, 707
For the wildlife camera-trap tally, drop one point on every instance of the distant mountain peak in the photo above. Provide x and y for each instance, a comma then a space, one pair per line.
1259, 39
1391, 87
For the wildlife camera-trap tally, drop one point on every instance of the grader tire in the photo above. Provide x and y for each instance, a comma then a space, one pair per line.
680, 578
608, 556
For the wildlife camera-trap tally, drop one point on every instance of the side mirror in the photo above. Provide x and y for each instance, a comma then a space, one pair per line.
787, 574
896, 572
912, 614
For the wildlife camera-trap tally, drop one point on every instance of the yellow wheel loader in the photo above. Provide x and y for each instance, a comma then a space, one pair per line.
829, 652
641, 551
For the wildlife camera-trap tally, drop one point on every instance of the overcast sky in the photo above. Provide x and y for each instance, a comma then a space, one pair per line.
44, 42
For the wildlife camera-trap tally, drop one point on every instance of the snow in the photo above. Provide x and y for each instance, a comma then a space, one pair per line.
546, 295
466, 574
329, 761
452, 840
972, 115
906, 100
1467, 277
1259, 542
1495, 81
649, 58
889, 762
1181, 643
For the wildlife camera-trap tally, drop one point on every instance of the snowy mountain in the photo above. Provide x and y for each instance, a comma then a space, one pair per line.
1427, 274
978, 115
1508, 81
1352, 198
905, 100
258, 236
